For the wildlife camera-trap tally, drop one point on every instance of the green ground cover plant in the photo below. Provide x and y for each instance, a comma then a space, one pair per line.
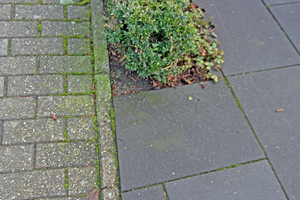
163, 39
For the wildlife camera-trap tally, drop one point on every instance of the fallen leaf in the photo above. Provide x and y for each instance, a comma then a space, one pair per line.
53, 116
93, 195
279, 110
190, 98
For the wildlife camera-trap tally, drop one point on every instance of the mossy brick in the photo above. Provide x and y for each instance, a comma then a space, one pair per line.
65, 106
56, 28
80, 83
17, 108
66, 198
78, 45
35, 130
3, 47
19, 1
99, 39
18, 65
65, 64
110, 193
5, 11
81, 128
1, 86
82, 180
77, 12
70, 154
39, 12
34, 184
18, 29
36, 46
34, 85
63, 2
16, 158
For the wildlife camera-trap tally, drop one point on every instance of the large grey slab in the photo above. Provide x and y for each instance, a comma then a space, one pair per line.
65, 64
162, 135
251, 181
54, 28
18, 65
36, 184
39, 12
260, 94
18, 29
65, 106
16, 158
288, 17
249, 35
65, 154
275, 2
35, 130
35, 85
36, 46
17, 108
150, 193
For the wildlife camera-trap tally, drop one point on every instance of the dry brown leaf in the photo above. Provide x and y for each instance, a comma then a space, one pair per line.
53, 116
279, 110
93, 195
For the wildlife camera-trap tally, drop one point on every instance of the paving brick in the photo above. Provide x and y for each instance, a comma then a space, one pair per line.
18, 29
82, 180
3, 47
80, 83
81, 128
36, 184
65, 64
17, 65
155, 192
288, 16
249, 35
66, 198
1, 86
29, 131
251, 181
78, 46
110, 193
36, 46
77, 12
54, 28
63, 2
17, 108
19, 1
196, 137
16, 158
65, 106
35, 85
260, 94
39, 12
71, 154
5, 11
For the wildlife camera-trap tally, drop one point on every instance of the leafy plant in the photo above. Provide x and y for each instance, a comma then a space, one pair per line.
162, 37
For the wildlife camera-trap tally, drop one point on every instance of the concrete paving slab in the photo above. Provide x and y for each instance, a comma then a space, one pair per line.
79, 46
55, 28
39, 12
80, 83
5, 11
3, 47
18, 29
82, 128
251, 181
17, 108
1, 86
275, 2
162, 135
249, 35
288, 17
150, 193
77, 12
260, 95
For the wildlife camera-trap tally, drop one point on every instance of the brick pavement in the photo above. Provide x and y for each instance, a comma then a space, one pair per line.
56, 136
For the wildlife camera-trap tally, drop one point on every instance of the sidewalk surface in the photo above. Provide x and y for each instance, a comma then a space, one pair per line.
228, 142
